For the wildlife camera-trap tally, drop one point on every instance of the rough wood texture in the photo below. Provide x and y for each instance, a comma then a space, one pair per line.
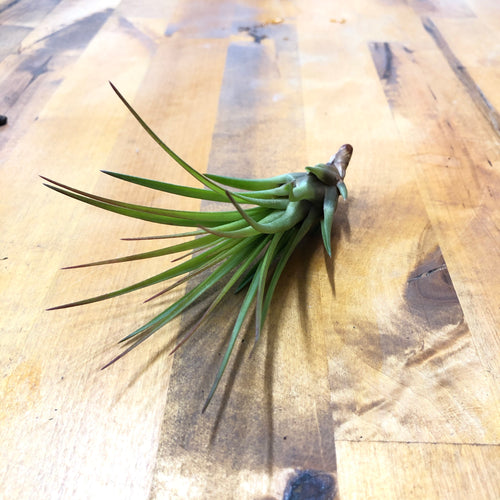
377, 374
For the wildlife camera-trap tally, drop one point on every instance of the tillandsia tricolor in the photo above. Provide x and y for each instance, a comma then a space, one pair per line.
247, 247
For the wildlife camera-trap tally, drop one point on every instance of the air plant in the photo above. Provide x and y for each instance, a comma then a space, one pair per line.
246, 247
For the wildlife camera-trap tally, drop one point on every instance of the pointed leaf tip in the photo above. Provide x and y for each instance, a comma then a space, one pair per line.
342, 189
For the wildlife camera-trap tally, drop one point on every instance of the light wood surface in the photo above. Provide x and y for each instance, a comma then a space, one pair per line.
377, 373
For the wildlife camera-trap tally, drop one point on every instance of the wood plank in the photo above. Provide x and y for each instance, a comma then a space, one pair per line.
473, 43
418, 470
460, 196
33, 71
250, 440
52, 389
394, 339
376, 375
24, 12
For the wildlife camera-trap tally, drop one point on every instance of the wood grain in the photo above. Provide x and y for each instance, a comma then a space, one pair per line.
377, 373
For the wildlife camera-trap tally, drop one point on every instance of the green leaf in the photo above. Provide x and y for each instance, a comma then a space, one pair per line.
274, 203
262, 273
253, 184
342, 189
305, 227
246, 261
158, 215
294, 213
181, 304
178, 270
200, 177
329, 206
191, 192
247, 302
197, 243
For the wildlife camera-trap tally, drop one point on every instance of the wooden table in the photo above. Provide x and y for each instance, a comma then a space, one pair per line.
377, 373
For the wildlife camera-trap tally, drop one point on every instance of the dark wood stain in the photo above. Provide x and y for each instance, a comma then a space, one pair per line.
383, 58
311, 485
78, 34
472, 88
8, 6
37, 62
430, 293
25, 12
240, 427
385, 63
